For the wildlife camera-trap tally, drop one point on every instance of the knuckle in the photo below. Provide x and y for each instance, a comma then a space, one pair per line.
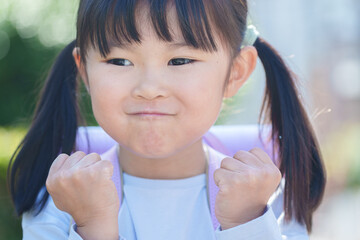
256, 149
225, 189
61, 177
94, 156
266, 175
273, 175
56, 181
58, 159
76, 176
107, 163
107, 168
238, 180
247, 172
225, 163
217, 176
277, 174
79, 152
48, 185
92, 173
63, 155
216, 172
251, 177
240, 154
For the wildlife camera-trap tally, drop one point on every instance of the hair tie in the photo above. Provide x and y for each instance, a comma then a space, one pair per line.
251, 35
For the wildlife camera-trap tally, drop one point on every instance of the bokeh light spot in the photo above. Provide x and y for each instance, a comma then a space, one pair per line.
4, 44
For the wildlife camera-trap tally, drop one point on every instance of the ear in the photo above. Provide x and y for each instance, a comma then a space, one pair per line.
242, 67
80, 66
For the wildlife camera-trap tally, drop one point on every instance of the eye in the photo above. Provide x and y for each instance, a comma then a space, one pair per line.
180, 61
120, 62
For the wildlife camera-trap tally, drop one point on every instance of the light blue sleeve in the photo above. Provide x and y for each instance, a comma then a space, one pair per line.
270, 225
50, 223
75, 236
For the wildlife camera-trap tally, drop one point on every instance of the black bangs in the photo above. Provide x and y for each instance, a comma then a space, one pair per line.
104, 23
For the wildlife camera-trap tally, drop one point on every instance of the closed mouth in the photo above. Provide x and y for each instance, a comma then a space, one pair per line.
151, 115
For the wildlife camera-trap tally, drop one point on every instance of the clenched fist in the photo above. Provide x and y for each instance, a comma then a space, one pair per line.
81, 185
245, 183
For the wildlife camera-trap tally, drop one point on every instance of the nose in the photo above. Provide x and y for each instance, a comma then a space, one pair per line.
151, 85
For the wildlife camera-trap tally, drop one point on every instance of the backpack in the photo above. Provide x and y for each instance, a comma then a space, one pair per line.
226, 139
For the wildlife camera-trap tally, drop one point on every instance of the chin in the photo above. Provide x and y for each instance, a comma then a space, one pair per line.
149, 149
154, 152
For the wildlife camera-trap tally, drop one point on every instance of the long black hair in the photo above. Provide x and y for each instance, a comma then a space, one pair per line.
100, 22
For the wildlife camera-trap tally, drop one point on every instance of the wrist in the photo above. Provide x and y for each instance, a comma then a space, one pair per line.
247, 217
99, 229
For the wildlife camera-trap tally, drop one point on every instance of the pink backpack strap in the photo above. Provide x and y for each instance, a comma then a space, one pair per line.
211, 140
213, 189
111, 155
214, 163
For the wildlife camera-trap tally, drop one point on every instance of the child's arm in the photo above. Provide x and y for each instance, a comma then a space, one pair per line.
246, 183
269, 226
50, 223
81, 185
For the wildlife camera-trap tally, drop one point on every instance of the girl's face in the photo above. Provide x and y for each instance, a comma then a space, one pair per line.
157, 98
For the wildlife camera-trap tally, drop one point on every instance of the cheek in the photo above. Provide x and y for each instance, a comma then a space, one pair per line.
104, 94
203, 96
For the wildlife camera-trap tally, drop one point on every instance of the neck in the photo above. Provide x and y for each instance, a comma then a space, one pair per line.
184, 164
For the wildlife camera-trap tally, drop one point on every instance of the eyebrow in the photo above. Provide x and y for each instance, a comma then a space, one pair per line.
179, 45
115, 44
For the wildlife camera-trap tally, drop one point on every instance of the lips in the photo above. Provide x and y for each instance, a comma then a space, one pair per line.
151, 113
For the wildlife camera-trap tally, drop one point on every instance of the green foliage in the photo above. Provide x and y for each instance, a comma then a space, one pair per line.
21, 72
9, 140
352, 156
232, 109
10, 225
340, 152
354, 176
32, 32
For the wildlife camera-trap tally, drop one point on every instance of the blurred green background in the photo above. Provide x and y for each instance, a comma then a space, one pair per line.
324, 55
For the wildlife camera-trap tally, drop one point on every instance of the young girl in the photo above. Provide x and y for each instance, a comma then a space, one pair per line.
157, 72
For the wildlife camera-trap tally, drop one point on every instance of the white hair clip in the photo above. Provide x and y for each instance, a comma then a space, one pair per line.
251, 35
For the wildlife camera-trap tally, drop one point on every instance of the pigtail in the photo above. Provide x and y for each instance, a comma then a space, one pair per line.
299, 153
53, 130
